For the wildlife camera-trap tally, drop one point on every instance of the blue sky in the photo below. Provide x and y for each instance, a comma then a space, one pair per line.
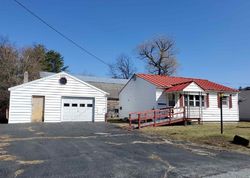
212, 36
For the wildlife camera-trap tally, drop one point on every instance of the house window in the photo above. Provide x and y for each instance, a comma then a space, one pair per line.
66, 105
225, 100
74, 105
197, 100
191, 100
82, 105
202, 100
194, 100
171, 100
186, 100
89, 105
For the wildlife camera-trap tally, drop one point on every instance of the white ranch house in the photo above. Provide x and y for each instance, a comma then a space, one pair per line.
199, 98
57, 98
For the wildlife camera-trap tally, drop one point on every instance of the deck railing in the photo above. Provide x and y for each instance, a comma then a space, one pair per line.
156, 115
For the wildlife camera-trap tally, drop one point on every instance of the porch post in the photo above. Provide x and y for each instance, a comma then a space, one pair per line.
129, 120
139, 121
184, 111
154, 118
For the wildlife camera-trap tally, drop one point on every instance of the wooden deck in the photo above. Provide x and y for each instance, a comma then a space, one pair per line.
158, 117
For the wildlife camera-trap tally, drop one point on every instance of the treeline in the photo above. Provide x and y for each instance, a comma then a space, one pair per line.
15, 61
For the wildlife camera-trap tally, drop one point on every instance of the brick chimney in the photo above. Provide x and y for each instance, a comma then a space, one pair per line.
25, 77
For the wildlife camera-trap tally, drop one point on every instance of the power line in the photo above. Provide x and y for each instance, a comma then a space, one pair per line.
60, 33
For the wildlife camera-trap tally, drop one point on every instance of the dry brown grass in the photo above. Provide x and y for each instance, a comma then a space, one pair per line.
18, 172
208, 134
7, 157
30, 162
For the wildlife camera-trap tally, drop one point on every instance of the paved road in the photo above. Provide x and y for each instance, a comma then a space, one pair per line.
104, 150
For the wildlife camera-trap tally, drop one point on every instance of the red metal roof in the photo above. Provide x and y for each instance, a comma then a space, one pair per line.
178, 87
179, 83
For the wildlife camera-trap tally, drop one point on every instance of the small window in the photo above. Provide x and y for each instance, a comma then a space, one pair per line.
197, 100
89, 105
74, 105
66, 104
186, 100
191, 100
202, 101
82, 105
225, 100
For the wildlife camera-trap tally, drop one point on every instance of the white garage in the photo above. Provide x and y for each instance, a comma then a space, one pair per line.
57, 98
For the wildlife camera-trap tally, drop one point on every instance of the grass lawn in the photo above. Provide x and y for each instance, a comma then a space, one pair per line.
208, 133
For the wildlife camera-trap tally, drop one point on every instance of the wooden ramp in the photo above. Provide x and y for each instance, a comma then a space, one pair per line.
157, 117
161, 122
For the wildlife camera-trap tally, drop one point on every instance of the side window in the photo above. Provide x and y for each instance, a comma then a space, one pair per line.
89, 105
66, 104
225, 100
82, 105
74, 105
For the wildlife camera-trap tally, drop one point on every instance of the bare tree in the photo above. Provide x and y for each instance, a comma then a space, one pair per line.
122, 68
31, 59
9, 74
159, 55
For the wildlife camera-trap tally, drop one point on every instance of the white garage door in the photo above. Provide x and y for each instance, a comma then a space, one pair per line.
77, 109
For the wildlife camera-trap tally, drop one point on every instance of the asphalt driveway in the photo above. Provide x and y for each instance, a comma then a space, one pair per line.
105, 150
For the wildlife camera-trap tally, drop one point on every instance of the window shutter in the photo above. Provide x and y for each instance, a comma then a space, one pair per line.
207, 100
230, 101
181, 100
218, 99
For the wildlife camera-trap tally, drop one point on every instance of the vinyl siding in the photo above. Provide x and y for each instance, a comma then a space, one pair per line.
137, 95
21, 98
193, 87
212, 113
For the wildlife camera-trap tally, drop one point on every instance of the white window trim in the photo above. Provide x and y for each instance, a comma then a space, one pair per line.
227, 101
194, 100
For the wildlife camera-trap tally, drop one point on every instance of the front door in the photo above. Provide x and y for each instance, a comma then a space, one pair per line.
37, 109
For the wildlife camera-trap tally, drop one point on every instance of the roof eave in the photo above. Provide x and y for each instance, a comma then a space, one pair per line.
223, 91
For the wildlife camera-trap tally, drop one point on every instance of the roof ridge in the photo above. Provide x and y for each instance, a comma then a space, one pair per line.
191, 78
182, 83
